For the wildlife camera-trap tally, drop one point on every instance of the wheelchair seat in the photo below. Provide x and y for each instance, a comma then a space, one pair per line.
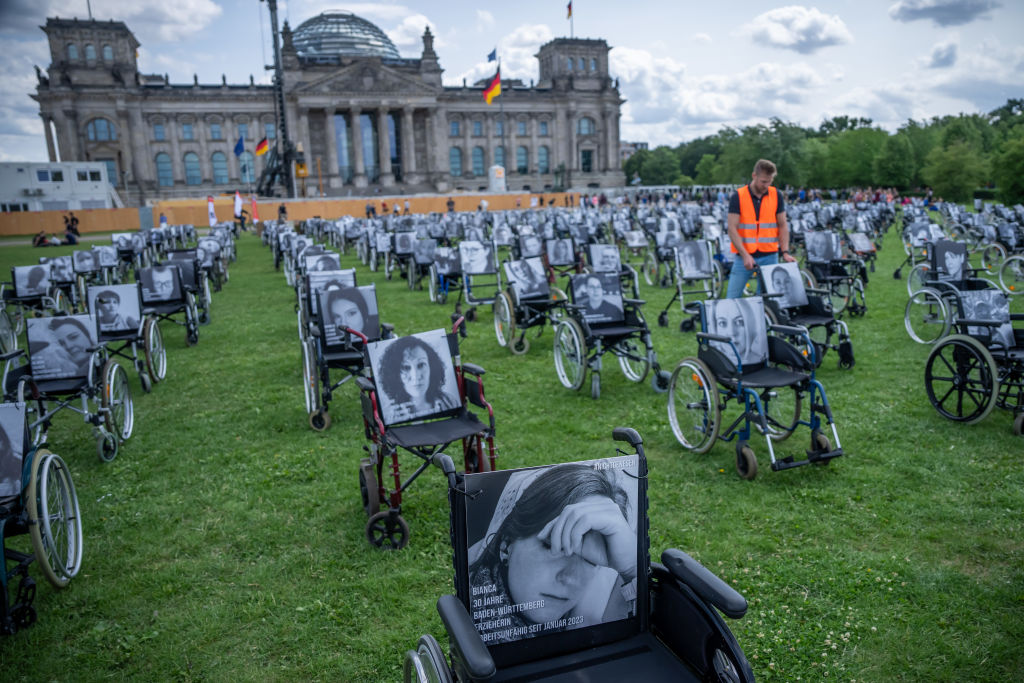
429, 433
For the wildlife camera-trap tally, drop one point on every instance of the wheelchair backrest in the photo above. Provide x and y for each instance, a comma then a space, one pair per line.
423, 251
348, 307
31, 281
635, 239
989, 305
13, 438
530, 245
61, 270
533, 555
477, 258
784, 279
561, 252
58, 347
861, 243
106, 255
404, 242
742, 321
128, 242
528, 278
949, 260
85, 261
599, 296
322, 262
693, 258
447, 261
604, 258
415, 376
117, 308
822, 246
161, 283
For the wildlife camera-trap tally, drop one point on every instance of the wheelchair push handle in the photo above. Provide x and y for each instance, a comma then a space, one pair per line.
443, 462
707, 585
629, 435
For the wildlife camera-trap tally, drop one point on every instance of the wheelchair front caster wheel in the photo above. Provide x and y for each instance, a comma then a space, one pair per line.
471, 315
660, 381
1018, 425
106, 447
23, 616
746, 461
520, 346
146, 382
191, 338
387, 530
687, 325
663, 319
319, 420
595, 385
820, 444
368, 488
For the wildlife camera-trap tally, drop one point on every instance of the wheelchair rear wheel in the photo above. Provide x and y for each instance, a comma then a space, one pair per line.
368, 489
116, 401
632, 359
693, 407
782, 407
426, 664
992, 256
961, 379
918, 278
156, 354
652, 269
504, 319
926, 317
8, 338
570, 354
55, 521
1011, 275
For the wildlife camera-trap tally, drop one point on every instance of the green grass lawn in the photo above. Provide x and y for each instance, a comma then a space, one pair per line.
226, 541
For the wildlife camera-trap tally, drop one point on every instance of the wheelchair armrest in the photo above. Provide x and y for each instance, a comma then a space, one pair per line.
465, 641
1017, 316
473, 369
704, 583
634, 302
713, 337
768, 295
817, 290
11, 355
791, 330
388, 330
365, 384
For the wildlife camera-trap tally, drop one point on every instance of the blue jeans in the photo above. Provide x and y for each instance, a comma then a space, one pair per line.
739, 275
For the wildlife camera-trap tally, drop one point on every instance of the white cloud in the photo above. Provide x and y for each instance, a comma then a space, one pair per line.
409, 34
802, 29
942, 56
702, 38
484, 20
516, 51
943, 12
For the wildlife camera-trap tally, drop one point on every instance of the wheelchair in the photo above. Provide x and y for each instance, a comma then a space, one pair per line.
123, 329
605, 258
344, 320
842, 275
31, 293
659, 267
768, 376
417, 399
64, 365
445, 274
564, 257
62, 277
654, 621
528, 301
599, 320
981, 366
308, 288
481, 279
37, 497
418, 267
194, 278
165, 296
697, 278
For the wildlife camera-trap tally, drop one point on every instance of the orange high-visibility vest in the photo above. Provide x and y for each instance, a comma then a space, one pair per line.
758, 232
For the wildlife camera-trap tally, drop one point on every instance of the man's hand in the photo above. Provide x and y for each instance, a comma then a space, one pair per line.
787, 257
748, 261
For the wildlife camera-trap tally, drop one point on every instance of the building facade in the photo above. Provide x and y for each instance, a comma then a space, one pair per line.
55, 186
363, 118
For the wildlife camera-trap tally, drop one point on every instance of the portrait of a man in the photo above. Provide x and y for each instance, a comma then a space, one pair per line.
116, 307
527, 277
161, 283
600, 294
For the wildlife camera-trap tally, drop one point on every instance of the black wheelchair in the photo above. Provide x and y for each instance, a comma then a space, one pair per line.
31, 293
697, 279
195, 278
769, 377
527, 302
481, 279
37, 497
123, 329
600, 320
842, 274
166, 296
600, 614
417, 399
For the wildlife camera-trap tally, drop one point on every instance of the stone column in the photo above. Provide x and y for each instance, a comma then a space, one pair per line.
387, 178
177, 163
124, 128
359, 179
437, 150
333, 170
410, 176
74, 146
535, 153
51, 150
205, 165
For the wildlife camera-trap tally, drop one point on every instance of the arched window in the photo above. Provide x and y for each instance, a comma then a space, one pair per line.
220, 168
193, 176
586, 126
98, 130
164, 171
499, 156
72, 52
455, 162
582, 65
593, 64
90, 52
570, 63
543, 159
108, 53
247, 167
522, 160
478, 161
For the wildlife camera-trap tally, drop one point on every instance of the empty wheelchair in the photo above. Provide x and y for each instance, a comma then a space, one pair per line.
697, 279
600, 320
737, 360
842, 275
418, 400
553, 581
37, 497
166, 296
527, 302
127, 333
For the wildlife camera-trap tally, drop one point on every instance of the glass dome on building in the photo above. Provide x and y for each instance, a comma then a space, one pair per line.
341, 34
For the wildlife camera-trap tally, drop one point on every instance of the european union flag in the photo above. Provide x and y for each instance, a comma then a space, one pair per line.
493, 56
239, 147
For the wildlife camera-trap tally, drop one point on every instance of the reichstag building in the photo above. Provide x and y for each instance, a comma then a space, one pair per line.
366, 119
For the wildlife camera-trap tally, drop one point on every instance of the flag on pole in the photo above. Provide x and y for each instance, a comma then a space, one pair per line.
262, 147
239, 147
209, 209
569, 9
238, 204
493, 55
493, 88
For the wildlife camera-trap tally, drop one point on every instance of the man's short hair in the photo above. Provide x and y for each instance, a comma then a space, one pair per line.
765, 167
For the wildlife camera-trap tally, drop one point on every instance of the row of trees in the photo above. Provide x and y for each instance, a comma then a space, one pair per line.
953, 155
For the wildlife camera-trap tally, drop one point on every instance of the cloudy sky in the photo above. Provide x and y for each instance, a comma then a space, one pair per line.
684, 69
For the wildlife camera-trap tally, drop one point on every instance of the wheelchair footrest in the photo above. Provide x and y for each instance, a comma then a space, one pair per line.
812, 457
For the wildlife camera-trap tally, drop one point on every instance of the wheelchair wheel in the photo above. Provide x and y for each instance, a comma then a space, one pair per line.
693, 408
368, 489
426, 664
319, 420
116, 401
652, 269
474, 454
570, 354
782, 406
633, 359
519, 346
808, 278
504, 319
926, 317
746, 461
8, 338
992, 257
55, 521
557, 312
1018, 425
432, 283
373, 260
840, 293
918, 278
961, 379
155, 353
387, 530
1011, 275
310, 376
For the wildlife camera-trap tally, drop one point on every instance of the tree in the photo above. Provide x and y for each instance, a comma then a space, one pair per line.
1007, 168
954, 172
851, 156
706, 169
922, 139
661, 167
894, 165
814, 157
632, 166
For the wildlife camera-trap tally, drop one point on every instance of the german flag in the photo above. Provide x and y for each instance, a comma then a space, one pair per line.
493, 88
262, 147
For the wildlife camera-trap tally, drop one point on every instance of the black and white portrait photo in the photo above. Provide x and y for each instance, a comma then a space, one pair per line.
475, 234
59, 346
329, 279
560, 252
784, 279
85, 261
530, 246
950, 258
423, 251
383, 241
349, 307
31, 281
122, 241
600, 295
212, 247
861, 243
161, 283
819, 247
116, 307
12, 448
502, 236
446, 260
322, 262
527, 278
604, 258
989, 305
476, 257
667, 239
415, 376
61, 269
552, 548
694, 259
742, 321
403, 242
106, 255
635, 239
